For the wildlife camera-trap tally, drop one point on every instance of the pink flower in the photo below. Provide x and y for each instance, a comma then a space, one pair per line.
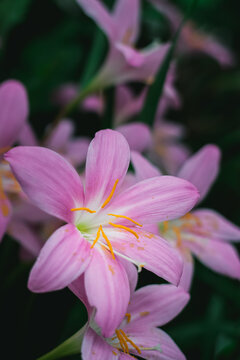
61, 140
192, 39
124, 62
13, 115
203, 232
137, 334
103, 224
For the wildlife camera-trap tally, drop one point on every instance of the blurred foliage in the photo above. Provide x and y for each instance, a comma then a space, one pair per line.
46, 43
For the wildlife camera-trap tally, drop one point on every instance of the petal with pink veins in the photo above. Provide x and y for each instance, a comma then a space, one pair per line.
155, 305
156, 337
151, 251
155, 200
109, 293
218, 226
143, 168
202, 168
96, 348
188, 269
63, 258
13, 111
107, 162
47, 179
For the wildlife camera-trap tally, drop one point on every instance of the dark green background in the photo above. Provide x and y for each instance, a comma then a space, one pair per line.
45, 44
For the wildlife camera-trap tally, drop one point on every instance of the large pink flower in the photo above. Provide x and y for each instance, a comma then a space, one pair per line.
13, 115
104, 225
203, 232
124, 62
137, 334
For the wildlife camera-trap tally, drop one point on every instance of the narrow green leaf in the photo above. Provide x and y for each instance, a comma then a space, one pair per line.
156, 89
95, 57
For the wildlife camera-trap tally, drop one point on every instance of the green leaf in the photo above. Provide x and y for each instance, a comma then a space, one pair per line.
156, 89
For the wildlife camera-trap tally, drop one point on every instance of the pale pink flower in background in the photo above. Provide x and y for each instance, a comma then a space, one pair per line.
137, 334
124, 62
68, 92
60, 139
13, 116
202, 232
193, 39
103, 225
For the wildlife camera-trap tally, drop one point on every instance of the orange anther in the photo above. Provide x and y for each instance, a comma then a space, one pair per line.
111, 194
125, 228
85, 209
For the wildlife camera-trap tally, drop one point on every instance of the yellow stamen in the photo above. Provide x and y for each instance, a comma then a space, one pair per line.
190, 216
85, 209
128, 316
97, 237
122, 342
130, 341
165, 226
125, 228
3, 205
111, 194
178, 235
108, 242
126, 217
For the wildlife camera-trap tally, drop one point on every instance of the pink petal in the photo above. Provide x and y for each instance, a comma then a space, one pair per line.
133, 57
218, 256
110, 293
202, 168
127, 105
155, 305
96, 348
107, 161
99, 13
48, 179
27, 136
156, 337
188, 268
63, 258
142, 167
13, 111
142, 141
127, 19
60, 135
76, 151
218, 226
132, 274
25, 236
149, 250
155, 200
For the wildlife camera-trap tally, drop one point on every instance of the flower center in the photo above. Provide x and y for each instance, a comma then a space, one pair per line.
100, 231
187, 222
123, 342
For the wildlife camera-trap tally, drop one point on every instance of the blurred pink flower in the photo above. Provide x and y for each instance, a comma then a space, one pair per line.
103, 225
193, 39
61, 140
124, 62
203, 232
13, 115
137, 334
